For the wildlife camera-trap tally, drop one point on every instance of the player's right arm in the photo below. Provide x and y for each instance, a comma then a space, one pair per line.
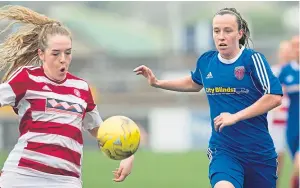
7, 96
12, 91
185, 84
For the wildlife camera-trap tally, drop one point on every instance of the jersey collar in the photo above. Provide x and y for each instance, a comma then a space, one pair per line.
230, 61
57, 82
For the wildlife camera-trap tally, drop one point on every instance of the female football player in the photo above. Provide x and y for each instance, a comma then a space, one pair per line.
277, 118
54, 106
289, 77
241, 89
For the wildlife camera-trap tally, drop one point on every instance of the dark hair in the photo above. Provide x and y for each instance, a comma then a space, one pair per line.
242, 24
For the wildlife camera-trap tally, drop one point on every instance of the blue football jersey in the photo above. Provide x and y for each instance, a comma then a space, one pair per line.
231, 86
289, 77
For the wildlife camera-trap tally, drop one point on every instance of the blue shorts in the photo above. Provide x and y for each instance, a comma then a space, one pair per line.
292, 141
242, 174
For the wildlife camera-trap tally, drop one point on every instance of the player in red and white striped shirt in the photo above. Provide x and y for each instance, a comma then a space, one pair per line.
54, 106
278, 117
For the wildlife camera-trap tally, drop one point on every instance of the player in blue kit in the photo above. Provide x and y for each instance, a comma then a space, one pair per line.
289, 77
241, 89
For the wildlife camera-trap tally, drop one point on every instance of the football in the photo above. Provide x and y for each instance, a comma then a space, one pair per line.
118, 137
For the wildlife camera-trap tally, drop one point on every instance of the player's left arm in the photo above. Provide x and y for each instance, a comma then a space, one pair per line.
92, 118
91, 122
94, 131
271, 98
261, 106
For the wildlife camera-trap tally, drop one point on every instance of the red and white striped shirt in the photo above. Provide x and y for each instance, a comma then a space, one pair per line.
52, 118
278, 116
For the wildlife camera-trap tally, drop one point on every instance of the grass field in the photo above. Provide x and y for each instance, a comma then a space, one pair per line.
152, 170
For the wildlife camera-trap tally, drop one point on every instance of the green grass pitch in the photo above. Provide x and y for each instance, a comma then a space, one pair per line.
153, 170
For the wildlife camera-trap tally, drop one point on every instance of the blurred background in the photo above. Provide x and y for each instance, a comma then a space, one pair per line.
111, 38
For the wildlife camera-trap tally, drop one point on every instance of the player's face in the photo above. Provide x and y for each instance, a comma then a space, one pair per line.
226, 35
295, 46
57, 57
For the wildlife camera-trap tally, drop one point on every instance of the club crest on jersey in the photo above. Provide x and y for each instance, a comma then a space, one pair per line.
76, 92
239, 72
61, 106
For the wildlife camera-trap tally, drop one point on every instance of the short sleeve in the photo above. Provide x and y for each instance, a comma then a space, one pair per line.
196, 74
92, 117
263, 75
14, 89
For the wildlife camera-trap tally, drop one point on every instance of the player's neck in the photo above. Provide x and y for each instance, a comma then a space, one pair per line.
235, 53
232, 58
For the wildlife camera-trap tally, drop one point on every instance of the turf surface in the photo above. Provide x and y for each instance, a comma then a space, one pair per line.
153, 170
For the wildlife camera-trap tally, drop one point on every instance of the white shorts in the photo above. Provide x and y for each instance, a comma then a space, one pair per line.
278, 136
16, 180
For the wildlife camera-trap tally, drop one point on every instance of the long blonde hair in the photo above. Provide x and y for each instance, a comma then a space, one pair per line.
20, 48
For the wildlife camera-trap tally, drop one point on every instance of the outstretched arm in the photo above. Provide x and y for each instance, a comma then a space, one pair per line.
92, 121
185, 84
124, 169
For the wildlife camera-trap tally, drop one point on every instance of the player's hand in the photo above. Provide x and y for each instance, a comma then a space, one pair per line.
223, 120
147, 73
124, 169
